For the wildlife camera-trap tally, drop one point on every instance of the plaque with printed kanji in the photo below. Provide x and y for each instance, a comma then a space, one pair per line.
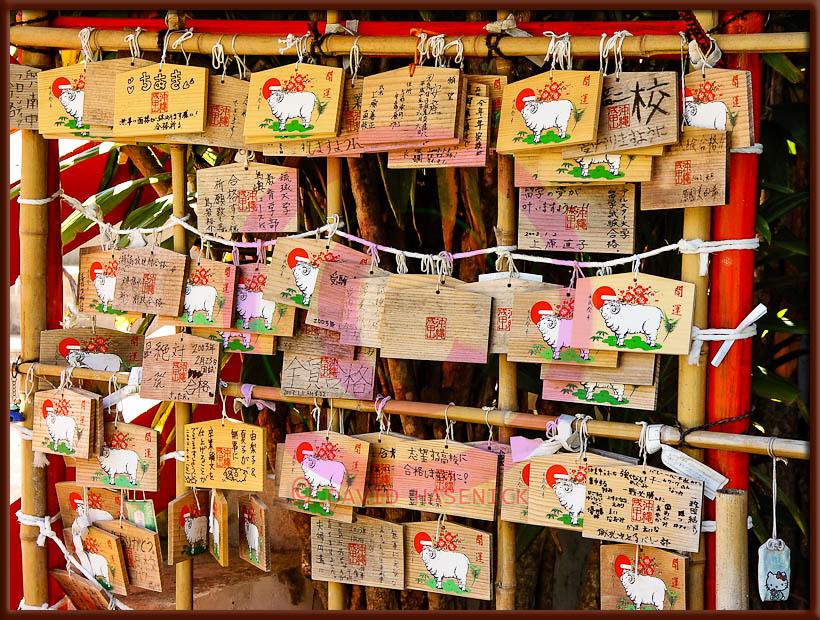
60, 96
225, 455
94, 348
254, 544
656, 582
180, 367
329, 377
97, 279
63, 422
129, 459
722, 100
381, 468
209, 294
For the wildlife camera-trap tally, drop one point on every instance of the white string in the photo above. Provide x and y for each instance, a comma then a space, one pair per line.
316, 412
583, 434
224, 409
45, 606
401, 263
25, 433
614, 45
745, 329
84, 35
218, 56
301, 45
355, 59
381, 401
241, 67
774, 543
448, 426
186, 34
134, 44
40, 201
642, 442
459, 57
757, 149
697, 58
489, 426
179, 455
559, 50
28, 388
682, 74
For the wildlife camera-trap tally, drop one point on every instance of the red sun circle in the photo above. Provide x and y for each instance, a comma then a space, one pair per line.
96, 267
420, 538
554, 472
58, 84
621, 559
525, 474
519, 100
47, 404
75, 499
67, 345
537, 308
599, 293
296, 254
269, 86
300, 451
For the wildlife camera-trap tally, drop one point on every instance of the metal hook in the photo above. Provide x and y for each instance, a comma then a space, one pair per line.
448, 426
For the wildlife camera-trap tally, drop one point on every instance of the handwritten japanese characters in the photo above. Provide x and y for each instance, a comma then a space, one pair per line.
160, 99
299, 101
638, 109
549, 110
551, 168
254, 546
495, 84
97, 349
150, 280
638, 313
180, 367
129, 460
324, 467
97, 279
83, 594
256, 198
141, 551
446, 478
318, 342
643, 505
693, 173
23, 97
657, 581
362, 311
60, 95
187, 526
722, 100
225, 116
448, 558
329, 377
256, 313
100, 553
577, 218
218, 527
225, 455
381, 468
100, 86
369, 552
209, 294
63, 423
515, 486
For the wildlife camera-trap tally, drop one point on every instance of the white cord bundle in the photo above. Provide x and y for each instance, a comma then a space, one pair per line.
559, 50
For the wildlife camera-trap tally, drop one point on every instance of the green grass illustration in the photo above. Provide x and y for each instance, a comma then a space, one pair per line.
199, 318
636, 342
603, 397
293, 125
235, 344
256, 325
595, 172
566, 355
196, 550
567, 520
447, 585
253, 556
550, 136
61, 447
314, 505
98, 306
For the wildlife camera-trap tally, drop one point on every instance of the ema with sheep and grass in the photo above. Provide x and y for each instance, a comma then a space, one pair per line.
539, 115
640, 589
70, 98
622, 318
555, 330
285, 105
704, 114
441, 563
571, 493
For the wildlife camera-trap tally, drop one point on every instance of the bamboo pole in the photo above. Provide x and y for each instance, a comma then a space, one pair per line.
731, 550
33, 231
643, 46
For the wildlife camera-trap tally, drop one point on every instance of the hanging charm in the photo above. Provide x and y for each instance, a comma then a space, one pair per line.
773, 556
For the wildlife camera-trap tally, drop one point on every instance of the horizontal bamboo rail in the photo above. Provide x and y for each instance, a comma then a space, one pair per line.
788, 448
643, 46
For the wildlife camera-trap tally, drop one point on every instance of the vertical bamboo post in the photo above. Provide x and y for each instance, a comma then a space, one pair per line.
335, 591
507, 380
731, 550
33, 245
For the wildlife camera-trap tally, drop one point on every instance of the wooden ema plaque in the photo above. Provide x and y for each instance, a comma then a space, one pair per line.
97, 280
160, 99
60, 95
381, 468
254, 313
290, 501
542, 324
141, 512
220, 455
549, 111
324, 467
150, 280
225, 115
129, 460
187, 526
557, 488
254, 546
369, 552
441, 324
294, 102
256, 198
103, 505
611, 392
100, 86
210, 292
329, 377
240, 341
472, 152
502, 291
181, 368
693, 173
633, 368
577, 218
398, 108
459, 562
100, 553
95, 348
495, 84
723, 101
141, 550
515, 485
446, 478
218, 527
23, 97
640, 314
83, 594
362, 311
638, 109
657, 581
63, 423
318, 342
549, 168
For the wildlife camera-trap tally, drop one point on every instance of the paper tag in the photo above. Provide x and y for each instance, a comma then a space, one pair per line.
522, 447
773, 571
682, 463
566, 435
533, 277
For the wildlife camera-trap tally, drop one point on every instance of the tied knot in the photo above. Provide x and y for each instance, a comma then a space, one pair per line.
745, 329
44, 523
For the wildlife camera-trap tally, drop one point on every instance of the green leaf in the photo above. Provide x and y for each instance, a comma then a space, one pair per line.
110, 168
784, 66
762, 228
792, 245
761, 475
398, 185
782, 324
772, 386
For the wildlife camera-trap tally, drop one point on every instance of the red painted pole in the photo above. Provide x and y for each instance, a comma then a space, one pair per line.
728, 389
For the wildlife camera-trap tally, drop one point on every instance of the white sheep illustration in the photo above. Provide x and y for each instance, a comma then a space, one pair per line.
199, 298
195, 530
613, 161
777, 585
616, 388
61, 428
322, 473
442, 564
556, 333
72, 101
250, 306
252, 538
286, 105
623, 319
304, 274
227, 336
541, 115
642, 589
94, 563
115, 462
108, 362
571, 495
105, 289
707, 115
92, 515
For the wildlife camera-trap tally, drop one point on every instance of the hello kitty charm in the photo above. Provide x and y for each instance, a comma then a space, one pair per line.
774, 570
